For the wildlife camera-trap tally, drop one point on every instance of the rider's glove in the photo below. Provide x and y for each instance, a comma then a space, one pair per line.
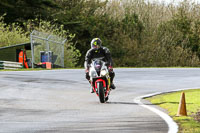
110, 68
86, 71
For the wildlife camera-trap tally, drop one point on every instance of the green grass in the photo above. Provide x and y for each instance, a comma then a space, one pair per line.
170, 102
23, 69
37, 69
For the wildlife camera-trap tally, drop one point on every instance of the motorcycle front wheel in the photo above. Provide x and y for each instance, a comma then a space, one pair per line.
101, 92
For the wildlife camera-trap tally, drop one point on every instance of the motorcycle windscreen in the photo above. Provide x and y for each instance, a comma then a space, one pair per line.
97, 66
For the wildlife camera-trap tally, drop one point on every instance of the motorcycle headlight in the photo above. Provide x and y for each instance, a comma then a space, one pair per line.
103, 72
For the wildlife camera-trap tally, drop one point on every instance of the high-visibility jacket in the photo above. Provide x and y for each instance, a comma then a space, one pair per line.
23, 60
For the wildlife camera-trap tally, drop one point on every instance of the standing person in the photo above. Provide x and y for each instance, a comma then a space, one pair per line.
98, 51
23, 58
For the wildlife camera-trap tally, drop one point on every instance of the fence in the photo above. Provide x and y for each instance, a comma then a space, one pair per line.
10, 65
47, 48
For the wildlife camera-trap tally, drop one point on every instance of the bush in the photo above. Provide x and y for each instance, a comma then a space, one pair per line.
11, 34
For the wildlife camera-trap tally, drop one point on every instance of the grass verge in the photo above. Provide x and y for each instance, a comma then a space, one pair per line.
170, 102
37, 69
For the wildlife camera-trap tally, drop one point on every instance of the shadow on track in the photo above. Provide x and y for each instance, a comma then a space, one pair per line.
127, 103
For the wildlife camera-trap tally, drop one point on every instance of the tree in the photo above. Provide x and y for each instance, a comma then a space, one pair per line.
22, 10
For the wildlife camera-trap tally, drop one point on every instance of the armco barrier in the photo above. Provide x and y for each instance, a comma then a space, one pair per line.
10, 65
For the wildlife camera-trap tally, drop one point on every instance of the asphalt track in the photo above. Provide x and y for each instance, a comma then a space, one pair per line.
59, 101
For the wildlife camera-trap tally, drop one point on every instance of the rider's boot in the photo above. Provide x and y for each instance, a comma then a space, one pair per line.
91, 90
112, 74
112, 86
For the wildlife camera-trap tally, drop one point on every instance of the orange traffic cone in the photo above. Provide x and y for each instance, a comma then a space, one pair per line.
182, 106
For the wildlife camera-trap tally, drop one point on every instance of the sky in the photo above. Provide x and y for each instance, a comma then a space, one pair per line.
175, 1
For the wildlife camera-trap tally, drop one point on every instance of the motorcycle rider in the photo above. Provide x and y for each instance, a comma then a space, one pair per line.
98, 51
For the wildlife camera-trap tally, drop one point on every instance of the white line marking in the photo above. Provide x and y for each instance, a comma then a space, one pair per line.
173, 127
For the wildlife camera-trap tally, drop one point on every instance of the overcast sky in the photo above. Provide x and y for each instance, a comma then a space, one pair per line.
176, 1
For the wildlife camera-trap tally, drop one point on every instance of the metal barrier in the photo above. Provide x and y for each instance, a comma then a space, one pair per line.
10, 65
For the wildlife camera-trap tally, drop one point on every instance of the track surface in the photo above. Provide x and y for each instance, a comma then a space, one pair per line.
59, 101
